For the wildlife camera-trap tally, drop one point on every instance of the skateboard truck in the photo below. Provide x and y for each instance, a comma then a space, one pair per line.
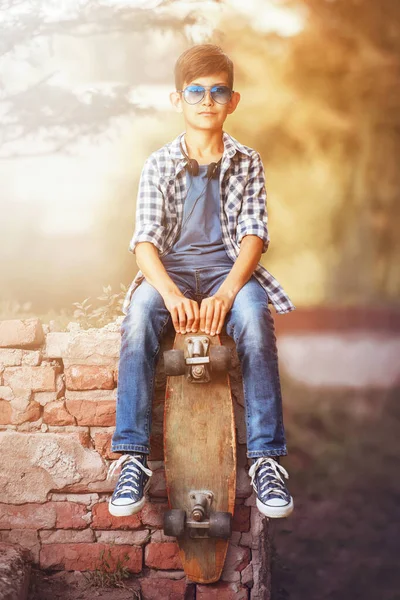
198, 359
200, 503
199, 519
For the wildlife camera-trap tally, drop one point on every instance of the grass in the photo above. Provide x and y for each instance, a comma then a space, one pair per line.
105, 575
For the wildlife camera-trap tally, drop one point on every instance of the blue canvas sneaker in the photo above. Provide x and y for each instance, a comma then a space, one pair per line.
273, 498
133, 482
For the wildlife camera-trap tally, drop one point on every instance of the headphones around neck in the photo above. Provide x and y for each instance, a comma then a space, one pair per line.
193, 166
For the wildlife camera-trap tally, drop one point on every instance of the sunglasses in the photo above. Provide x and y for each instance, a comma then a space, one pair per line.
193, 94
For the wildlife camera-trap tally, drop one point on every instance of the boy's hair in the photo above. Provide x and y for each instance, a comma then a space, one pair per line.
202, 60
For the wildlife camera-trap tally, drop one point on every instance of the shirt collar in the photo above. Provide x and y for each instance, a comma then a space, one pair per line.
231, 146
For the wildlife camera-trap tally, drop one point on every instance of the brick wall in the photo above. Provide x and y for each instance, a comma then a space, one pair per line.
57, 415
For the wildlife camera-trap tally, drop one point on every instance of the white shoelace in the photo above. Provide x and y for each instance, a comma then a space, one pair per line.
262, 463
131, 477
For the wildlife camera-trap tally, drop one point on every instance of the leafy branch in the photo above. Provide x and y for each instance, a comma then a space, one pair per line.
100, 315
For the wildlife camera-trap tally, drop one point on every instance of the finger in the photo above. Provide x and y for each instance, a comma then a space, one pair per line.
189, 315
175, 319
203, 313
215, 320
196, 311
182, 318
209, 316
221, 321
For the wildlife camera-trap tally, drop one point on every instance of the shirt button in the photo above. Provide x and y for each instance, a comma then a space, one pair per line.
171, 181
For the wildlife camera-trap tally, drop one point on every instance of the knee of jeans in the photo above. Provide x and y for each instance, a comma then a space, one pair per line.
256, 327
137, 321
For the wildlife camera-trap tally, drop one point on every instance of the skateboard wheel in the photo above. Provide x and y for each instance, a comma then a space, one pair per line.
220, 358
174, 362
220, 524
174, 522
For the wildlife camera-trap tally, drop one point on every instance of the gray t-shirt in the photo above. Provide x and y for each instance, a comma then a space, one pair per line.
200, 240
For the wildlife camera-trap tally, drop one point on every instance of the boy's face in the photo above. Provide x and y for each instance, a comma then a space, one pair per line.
195, 114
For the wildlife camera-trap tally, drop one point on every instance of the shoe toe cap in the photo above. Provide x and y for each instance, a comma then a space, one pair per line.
123, 501
276, 502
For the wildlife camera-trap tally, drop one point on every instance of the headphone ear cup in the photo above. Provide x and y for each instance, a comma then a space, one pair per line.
191, 164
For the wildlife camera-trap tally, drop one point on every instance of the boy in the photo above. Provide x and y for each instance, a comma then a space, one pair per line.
201, 227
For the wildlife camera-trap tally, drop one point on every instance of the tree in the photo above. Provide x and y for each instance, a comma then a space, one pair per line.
46, 116
347, 59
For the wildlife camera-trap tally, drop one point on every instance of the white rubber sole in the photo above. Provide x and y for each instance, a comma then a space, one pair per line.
275, 512
126, 510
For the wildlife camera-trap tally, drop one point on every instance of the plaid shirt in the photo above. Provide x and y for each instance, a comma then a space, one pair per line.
159, 207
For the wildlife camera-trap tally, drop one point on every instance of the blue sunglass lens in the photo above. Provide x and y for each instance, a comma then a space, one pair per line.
195, 93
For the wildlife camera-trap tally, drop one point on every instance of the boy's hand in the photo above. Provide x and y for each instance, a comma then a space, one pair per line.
185, 312
213, 311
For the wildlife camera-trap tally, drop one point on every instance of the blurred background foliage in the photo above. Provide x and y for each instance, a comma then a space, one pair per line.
84, 100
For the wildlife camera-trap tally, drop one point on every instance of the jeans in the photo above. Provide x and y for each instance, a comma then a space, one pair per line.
249, 322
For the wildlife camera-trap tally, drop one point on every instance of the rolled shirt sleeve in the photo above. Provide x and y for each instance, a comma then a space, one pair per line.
150, 212
253, 218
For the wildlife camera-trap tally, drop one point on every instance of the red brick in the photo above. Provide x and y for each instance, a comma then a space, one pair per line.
221, 591
102, 443
237, 559
152, 514
32, 358
84, 439
61, 515
102, 519
18, 333
11, 357
28, 516
68, 536
55, 413
5, 412
163, 555
90, 412
166, 589
37, 379
87, 557
69, 515
158, 488
241, 518
31, 413
89, 377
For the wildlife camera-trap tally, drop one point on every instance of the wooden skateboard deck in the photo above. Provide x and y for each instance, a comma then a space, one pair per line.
200, 454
